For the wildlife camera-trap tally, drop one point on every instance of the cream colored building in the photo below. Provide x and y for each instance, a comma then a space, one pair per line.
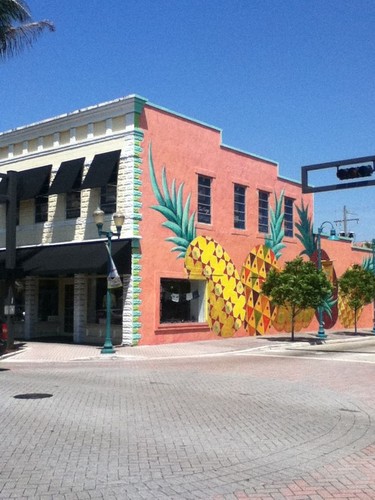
66, 167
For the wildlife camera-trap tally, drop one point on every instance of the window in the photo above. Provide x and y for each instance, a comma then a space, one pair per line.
73, 198
204, 199
41, 203
182, 301
73, 195
288, 217
73, 204
263, 212
108, 194
239, 206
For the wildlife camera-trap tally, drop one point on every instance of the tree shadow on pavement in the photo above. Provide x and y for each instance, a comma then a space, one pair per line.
314, 340
309, 340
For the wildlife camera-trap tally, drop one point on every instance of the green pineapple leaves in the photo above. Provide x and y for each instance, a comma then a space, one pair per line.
328, 304
306, 233
171, 206
274, 240
368, 264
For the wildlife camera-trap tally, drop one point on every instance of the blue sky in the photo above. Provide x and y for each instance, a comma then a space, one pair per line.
289, 80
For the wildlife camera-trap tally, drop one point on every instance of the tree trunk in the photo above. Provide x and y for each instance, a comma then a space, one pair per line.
293, 316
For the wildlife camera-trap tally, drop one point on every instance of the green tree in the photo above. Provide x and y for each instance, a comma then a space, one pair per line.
17, 30
299, 286
357, 285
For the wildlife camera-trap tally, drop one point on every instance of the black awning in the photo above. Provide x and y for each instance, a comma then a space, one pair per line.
68, 177
55, 260
101, 169
32, 182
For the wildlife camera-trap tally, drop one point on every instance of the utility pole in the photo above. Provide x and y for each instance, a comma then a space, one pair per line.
345, 221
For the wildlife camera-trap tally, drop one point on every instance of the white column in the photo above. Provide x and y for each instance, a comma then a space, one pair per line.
90, 131
72, 138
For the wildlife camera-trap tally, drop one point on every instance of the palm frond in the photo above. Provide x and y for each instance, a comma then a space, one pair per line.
15, 38
13, 10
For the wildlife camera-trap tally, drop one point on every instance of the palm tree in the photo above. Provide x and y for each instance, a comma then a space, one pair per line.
17, 30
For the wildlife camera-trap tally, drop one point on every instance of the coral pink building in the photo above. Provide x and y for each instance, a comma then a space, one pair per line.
204, 224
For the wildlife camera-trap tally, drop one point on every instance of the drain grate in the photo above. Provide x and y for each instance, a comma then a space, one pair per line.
33, 395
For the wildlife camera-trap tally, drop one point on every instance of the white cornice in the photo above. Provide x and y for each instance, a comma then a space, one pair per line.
65, 147
81, 117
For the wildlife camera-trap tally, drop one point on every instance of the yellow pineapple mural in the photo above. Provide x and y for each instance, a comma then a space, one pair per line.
225, 292
259, 310
232, 300
346, 313
282, 322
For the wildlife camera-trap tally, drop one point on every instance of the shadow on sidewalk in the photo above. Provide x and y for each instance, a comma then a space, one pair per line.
314, 340
309, 340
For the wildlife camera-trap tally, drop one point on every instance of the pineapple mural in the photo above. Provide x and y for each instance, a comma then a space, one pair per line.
205, 258
308, 240
282, 321
171, 205
259, 311
233, 299
346, 313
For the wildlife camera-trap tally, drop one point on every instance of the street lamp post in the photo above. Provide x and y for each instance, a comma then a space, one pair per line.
321, 333
119, 221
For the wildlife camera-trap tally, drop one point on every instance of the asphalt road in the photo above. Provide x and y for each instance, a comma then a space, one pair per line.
297, 422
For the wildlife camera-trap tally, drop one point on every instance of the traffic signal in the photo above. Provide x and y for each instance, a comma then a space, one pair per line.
354, 172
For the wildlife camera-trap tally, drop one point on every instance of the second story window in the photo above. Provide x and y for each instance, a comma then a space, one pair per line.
73, 198
108, 194
239, 206
204, 199
41, 203
103, 174
288, 217
263, 212
73, 204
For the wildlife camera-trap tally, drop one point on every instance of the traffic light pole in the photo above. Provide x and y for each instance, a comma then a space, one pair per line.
10, 250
